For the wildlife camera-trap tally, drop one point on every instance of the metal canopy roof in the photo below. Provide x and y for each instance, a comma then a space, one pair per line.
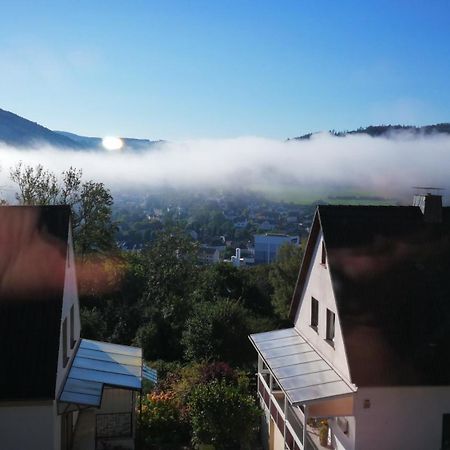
99, 364
299, 370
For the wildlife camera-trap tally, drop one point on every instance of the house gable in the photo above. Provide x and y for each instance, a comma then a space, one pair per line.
389, 271
70, 317
317, 289
31, 294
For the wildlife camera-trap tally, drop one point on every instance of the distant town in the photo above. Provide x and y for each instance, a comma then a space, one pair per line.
220, 223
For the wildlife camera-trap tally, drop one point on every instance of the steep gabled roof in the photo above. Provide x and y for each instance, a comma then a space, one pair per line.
33, 242
390, 273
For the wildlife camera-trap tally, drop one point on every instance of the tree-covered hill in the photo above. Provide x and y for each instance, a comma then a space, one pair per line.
387, 130
19, 132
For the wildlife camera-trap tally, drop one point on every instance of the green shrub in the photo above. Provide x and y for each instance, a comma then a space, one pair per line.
222, 415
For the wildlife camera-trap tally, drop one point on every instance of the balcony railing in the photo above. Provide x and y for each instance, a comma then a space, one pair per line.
289, 424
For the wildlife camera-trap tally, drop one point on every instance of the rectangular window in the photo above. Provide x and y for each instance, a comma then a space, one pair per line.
330, 325
314, 313
64, 343
72, 326
324, 254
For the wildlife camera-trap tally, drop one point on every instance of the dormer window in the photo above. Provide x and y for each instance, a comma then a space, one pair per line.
323, 255
331, 319
314, 313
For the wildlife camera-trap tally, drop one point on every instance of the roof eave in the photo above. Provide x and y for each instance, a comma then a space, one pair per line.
306, 261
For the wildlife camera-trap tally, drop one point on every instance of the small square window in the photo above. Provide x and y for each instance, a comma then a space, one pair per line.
314, 313
331, 318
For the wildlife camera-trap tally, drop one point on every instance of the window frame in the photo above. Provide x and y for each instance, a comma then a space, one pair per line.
65, 357
314, 324
72, 327
331, 330
323, 256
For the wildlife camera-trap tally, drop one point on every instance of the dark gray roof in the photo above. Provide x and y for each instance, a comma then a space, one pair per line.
32, 269
391, 278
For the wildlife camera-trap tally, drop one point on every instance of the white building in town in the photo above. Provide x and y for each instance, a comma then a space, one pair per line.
368, 354
267, 246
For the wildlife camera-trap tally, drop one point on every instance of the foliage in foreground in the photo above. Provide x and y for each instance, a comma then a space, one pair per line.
200, 404
222, 415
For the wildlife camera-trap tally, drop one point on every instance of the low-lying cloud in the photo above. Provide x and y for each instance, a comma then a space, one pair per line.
384, 165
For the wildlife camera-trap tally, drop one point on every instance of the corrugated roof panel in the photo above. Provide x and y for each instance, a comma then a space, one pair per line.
310, 379
274, 343
83, 386
277, 334
315, 392
80, 399
301, 369
285, 351
109, 378
106, 366
294, 359
99, 355
111, 348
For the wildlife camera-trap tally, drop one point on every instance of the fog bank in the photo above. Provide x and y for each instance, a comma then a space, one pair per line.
385, 165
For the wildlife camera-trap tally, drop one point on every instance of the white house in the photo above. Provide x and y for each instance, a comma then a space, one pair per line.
369, 349
57, 390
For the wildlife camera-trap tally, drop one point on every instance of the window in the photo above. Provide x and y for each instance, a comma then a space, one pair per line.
72, 326
64, 343
324, 254
314, 313
330, 325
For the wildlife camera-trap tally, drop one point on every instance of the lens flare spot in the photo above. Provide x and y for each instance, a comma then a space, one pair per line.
112, 143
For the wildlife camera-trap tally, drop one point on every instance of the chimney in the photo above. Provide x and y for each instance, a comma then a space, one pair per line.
431, 207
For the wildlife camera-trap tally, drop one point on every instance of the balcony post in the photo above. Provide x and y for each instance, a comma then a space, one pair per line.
305, 418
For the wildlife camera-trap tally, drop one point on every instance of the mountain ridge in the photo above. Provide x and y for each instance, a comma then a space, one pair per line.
16, 131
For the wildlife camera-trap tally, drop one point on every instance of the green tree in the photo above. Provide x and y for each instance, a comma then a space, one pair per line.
219, 332
283, 277
223, 415
91, 203
171, 274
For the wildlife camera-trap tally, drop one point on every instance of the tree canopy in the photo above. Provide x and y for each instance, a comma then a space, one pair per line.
91, 203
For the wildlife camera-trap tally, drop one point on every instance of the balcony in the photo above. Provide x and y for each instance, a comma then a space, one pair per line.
288, 419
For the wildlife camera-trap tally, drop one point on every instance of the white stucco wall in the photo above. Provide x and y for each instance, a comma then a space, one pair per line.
318, 285
70, 298
401, 417
25, 426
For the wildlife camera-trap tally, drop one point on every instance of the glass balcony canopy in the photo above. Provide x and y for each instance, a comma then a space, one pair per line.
299, 370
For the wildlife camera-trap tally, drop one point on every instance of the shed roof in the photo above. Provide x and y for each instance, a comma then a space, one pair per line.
391, 279
33, 243
98, 364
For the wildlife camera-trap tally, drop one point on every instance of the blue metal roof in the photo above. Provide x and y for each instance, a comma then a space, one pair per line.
98, 364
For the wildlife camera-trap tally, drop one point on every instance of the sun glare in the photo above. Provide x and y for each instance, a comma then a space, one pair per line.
112, 143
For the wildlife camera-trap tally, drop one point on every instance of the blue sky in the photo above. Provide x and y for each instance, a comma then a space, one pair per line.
193, 69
